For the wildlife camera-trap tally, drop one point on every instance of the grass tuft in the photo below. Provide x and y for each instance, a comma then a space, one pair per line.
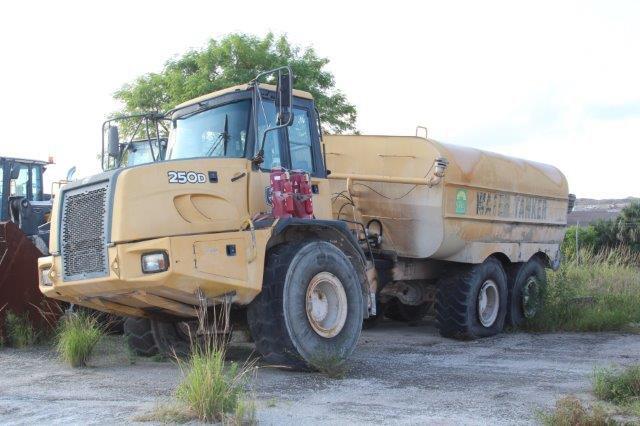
598, 293
214, 390
77, 336
20, 331
331, 366
569, 411
173, 413
619, 387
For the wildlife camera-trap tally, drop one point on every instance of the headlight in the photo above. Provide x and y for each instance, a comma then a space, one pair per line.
45, 278
155, 262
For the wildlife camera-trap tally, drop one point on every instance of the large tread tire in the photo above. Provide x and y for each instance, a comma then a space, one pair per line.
518, 275
170, 342
457, 301
139, 337
278, 319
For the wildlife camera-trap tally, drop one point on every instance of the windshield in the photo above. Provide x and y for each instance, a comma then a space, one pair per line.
139, 152
216, 132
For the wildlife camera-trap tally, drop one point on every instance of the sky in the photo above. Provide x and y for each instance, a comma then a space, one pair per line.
556, 82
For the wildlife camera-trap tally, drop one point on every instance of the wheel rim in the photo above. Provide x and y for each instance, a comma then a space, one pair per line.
326, 304
488, 303
530, 297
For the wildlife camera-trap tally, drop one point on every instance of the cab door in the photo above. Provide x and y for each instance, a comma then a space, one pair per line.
296, 147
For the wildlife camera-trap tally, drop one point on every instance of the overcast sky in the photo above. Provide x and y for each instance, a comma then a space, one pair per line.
557, 82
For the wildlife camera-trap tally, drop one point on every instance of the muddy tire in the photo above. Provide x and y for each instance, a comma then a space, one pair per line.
398, 311
473, 303
170, 340
527, 285
137, 332
310, 307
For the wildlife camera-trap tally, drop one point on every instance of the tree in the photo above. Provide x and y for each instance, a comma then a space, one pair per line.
236, 59
629, 226
606, 234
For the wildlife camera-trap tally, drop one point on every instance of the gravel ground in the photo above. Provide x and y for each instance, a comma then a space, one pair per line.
399, 374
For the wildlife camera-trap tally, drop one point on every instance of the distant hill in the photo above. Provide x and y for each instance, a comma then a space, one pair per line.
589, 210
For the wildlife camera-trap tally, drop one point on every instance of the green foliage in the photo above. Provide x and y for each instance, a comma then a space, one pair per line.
213, 390
600, 293
77, 336
237, 59
173, 413
330, 365
606, 234
569, 411
619, 387
587, 240
20, 331
628, 224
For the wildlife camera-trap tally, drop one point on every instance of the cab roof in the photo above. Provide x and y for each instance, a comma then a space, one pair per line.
23, 160
238, 88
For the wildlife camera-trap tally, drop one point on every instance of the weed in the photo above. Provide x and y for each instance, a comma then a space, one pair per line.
331, 365
167, 414
77, 336
158, 358
272, 402
619, 387
569, 411
20, 331
211, 388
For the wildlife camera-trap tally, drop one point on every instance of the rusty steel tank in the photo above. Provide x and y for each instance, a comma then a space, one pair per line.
426, 199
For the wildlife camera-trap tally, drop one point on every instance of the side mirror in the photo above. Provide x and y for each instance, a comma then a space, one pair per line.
15, 171
284, 98
113, 138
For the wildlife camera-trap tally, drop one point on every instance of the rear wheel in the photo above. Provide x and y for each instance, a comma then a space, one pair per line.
137, 332
528, 282
473, 303
310, 307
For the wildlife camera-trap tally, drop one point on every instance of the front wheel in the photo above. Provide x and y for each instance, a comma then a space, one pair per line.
310, 308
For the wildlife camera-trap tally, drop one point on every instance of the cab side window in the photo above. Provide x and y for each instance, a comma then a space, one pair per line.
19, 187
299, 134
267, 119
36, 183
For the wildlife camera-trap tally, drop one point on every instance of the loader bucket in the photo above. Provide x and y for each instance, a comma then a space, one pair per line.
19, 291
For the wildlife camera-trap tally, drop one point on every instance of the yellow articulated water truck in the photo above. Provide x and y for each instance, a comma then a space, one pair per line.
303, 236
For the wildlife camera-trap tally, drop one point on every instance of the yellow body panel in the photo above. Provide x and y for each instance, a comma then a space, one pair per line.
197, 262
511, 206
193, 223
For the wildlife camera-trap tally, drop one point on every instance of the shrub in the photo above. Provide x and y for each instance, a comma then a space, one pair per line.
569, 411
20, 331
619, 387
77, 336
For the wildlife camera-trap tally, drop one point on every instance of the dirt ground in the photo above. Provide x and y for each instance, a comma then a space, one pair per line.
399, 374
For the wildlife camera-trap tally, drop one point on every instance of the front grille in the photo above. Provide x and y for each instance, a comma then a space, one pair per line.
84, 232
